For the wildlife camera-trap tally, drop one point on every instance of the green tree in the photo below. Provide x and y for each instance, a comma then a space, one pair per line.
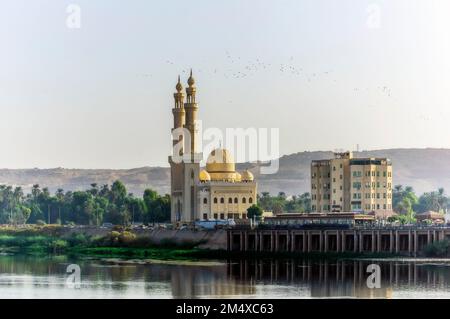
254, 211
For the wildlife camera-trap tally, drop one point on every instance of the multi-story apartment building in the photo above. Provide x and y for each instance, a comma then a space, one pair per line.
345, 184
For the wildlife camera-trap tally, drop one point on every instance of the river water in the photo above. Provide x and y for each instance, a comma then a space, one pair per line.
33, 277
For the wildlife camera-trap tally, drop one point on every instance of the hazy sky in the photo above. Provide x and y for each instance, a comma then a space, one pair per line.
328, 74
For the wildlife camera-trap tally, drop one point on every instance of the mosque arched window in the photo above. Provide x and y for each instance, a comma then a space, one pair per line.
244, 200
235, 200
215, 200
205, 200
230, 200
222, 200
250, 200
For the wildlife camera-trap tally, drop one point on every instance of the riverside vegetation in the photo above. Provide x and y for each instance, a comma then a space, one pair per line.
120, 242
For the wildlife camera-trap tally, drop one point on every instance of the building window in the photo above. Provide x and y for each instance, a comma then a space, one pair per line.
222, 216
235, 200
215, 200
250, 200
205, 200
205, 216
244, 200
222, 200
215, 216
230, 200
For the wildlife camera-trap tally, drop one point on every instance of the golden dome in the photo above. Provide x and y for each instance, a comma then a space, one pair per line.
247, 176
179, 87
238, 177
220, 161
204, 176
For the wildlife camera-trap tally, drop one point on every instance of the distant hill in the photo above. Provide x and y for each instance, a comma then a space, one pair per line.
424, 169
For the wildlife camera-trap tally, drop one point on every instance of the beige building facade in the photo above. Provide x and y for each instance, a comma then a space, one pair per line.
215, 193
345, 184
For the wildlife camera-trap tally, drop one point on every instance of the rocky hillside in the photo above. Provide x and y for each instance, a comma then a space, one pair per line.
424, 169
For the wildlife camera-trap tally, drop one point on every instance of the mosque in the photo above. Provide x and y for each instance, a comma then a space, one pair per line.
215, 193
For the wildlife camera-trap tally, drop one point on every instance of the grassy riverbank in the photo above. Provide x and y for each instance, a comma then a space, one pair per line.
119, 242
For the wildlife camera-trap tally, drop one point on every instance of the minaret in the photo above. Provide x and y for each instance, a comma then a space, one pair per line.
191, 117
178, 114
191, 157
176, 163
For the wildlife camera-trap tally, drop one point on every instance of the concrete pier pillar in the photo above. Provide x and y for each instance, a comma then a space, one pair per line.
373, 241
277, 241
428, 237
343, 242
292, 241
245, 241
397, 241
338, 241
261, 242
391, 242
361, 242
305, 242
272, 241
325, 235
355, 241
410, 242
309, 241
320, 241
416, 240
378, 241
241, 241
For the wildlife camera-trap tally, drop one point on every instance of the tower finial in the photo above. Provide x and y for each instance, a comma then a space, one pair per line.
191, 80
179, 87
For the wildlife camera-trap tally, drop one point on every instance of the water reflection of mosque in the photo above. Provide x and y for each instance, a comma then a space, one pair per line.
319, 279
342, 278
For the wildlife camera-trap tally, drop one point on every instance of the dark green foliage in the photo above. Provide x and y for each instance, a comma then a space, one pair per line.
281, 204
94, 206
437, 249
254, 212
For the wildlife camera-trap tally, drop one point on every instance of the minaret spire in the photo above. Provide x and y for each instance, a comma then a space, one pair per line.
191, 90
178, 95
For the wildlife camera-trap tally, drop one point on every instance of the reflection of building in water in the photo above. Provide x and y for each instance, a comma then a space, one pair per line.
206, 281
338, 278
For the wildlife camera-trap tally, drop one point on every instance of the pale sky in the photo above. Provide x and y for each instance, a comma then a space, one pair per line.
328, 74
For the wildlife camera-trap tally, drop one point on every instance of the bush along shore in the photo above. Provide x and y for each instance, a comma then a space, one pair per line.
119, 242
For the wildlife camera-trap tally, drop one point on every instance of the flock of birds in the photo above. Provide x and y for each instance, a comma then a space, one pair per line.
239, 68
